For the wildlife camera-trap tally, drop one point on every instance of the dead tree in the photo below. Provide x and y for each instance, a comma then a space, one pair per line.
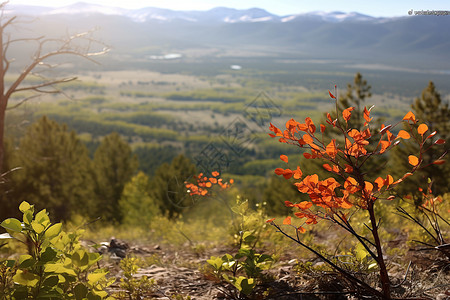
44, 49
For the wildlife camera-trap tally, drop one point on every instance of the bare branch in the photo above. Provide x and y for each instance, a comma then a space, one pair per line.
45, 84
23, 101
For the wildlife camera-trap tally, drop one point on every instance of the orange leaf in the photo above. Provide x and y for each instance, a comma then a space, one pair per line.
439, 162
298, 173
327, 167
379, 182
368, 186
389, 180
288, 204
403, 134
331, 95
367, 116
231, 181
331, 149
310, 124
301, 229
284, 158
322, 128
308, 139
347, 113
270, 220
384, 146
422, 129
413, 160
307, 155
346, 205
348, 169
410, 117
304, 205
287, 221
279, 171
215, 173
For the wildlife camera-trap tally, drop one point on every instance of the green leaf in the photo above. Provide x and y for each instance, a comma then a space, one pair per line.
81, 259
360, 252
93, 258
216, 262
12, 224
42, 217
48, 255
80, 291
93, 278
28, 217
51, 281
53, 231
26, 261
92, 296
10, 263
24, 206
38, 228
247, 285
58, 268
26, 278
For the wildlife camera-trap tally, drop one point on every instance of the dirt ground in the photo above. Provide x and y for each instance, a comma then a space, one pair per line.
179, 274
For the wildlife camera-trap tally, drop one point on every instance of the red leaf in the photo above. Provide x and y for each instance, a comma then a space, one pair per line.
284, 158
270, 220
331, 95
440, 142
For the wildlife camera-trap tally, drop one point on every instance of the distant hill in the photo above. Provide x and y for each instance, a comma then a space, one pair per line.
410, 41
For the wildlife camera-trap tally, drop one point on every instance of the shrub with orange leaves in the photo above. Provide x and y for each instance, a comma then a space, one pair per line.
333, 198
204, 184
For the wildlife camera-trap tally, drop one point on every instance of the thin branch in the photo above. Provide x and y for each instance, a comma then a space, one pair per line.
45, 84
345, 273
22, 102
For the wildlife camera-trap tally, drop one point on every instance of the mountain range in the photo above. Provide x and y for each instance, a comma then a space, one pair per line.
409, 41
219, 14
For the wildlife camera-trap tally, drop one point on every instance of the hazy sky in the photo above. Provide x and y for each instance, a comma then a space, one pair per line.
380, 8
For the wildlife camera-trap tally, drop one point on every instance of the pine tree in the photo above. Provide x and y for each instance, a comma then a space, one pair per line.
114, 166
355, 96
279, 188
137, 207
428, 108
168, 187
54, 170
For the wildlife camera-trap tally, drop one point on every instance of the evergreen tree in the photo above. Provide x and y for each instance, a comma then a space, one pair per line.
168, 187
114, 166
430, 109
355, 96
55, 170
137, 206
277, 191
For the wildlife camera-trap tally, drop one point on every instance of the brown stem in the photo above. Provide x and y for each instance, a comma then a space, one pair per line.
384, 277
